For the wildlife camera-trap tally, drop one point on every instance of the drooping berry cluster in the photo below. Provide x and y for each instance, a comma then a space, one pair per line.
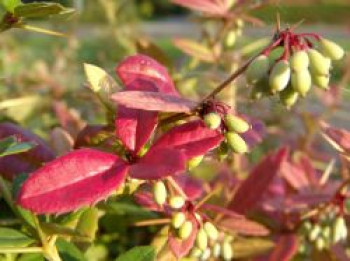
305, 60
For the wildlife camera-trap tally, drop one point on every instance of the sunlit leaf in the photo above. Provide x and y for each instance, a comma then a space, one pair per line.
140, 253
13, 238
98, 78
10, 5
32, 10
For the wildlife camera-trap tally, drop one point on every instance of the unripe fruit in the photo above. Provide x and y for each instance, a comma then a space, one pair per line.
280, 76
239, 23
196, 252
331, 49
176, 202
216, 250
257, 69
339, 226
321, 81
194, 162
236, 143
202, 239
178, 219
211, 231
236, 124
320, 243
301, 81
185, 230
212, 120
315, 232
299, 61
318, 63
226, 251
206, 255
159, 193
230, 38
289, 97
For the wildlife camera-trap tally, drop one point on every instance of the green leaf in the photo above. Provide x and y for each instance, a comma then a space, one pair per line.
98, 78
10, 5
68, 251
34, 10
31, 257
142, 253
15, 148
88, 223
13, 238
56, 229
6, 143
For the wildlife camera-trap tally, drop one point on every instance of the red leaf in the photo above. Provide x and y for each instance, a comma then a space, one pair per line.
210, 7
193, 138
13, 165
338, 138
295, 176
89, 133
134, 127
244, 227
340, 252
192, 187
252, 189
143, 67
158, 163
221, 210
145, 199
286, 247
153, 101
181, 248
77, 179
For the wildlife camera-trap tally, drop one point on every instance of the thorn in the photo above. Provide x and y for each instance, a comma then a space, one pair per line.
278, 22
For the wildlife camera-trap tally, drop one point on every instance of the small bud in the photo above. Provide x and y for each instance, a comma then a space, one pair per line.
185, 230
196, 252
320, 243
216, 250
230, 38
289, 97
257, 69
301, 82
176, 202
339, 226
178, 219
194, 162
205, 255
321, 81
315, 232
318, 63
226, 251
211, 231
236, 143
159, 193
299, 61
212, 120
280, 76
331, 49
202, 239
236, 124
239, 23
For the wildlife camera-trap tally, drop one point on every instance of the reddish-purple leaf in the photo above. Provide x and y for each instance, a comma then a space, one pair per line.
223, 211
145, 199
87, 136
295, 176
340, 252
158, 164
193, 138
181, 248
286, 247
338, 138
13, 165
192, 187
134, 127
79, 178
253, 188
210, 7
244, 227
153, 101
143, 67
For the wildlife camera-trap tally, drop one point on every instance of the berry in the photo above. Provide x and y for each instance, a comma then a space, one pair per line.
176, 202
236, 143
321, 81
185, 230
226, 251
301, 81
236, 124
212, 120
194, 162
289, 97
331, 49
178, 219
299, 61
159, 193
258, 68
202, 239
211, 231
318, 63
280, 76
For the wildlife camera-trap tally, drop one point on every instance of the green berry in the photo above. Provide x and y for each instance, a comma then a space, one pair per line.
314, 232
159, 193
226, 251
236, 143
318, 63
320, 243
196, 252
176, 202
230, 38
216, 250
280, 76
299, 61
301, 81
205, 255
289, 97
202, 239
236, 124
212, 120
331, 49
321, 81
257, 69
194, 162
178, 219
339, 229
185, 230
211, 231
239, 23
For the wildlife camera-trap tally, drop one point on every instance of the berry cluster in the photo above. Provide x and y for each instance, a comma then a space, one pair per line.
305, 60
327, 231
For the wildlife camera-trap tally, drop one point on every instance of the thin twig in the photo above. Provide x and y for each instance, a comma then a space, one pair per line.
177, 187
151, 222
